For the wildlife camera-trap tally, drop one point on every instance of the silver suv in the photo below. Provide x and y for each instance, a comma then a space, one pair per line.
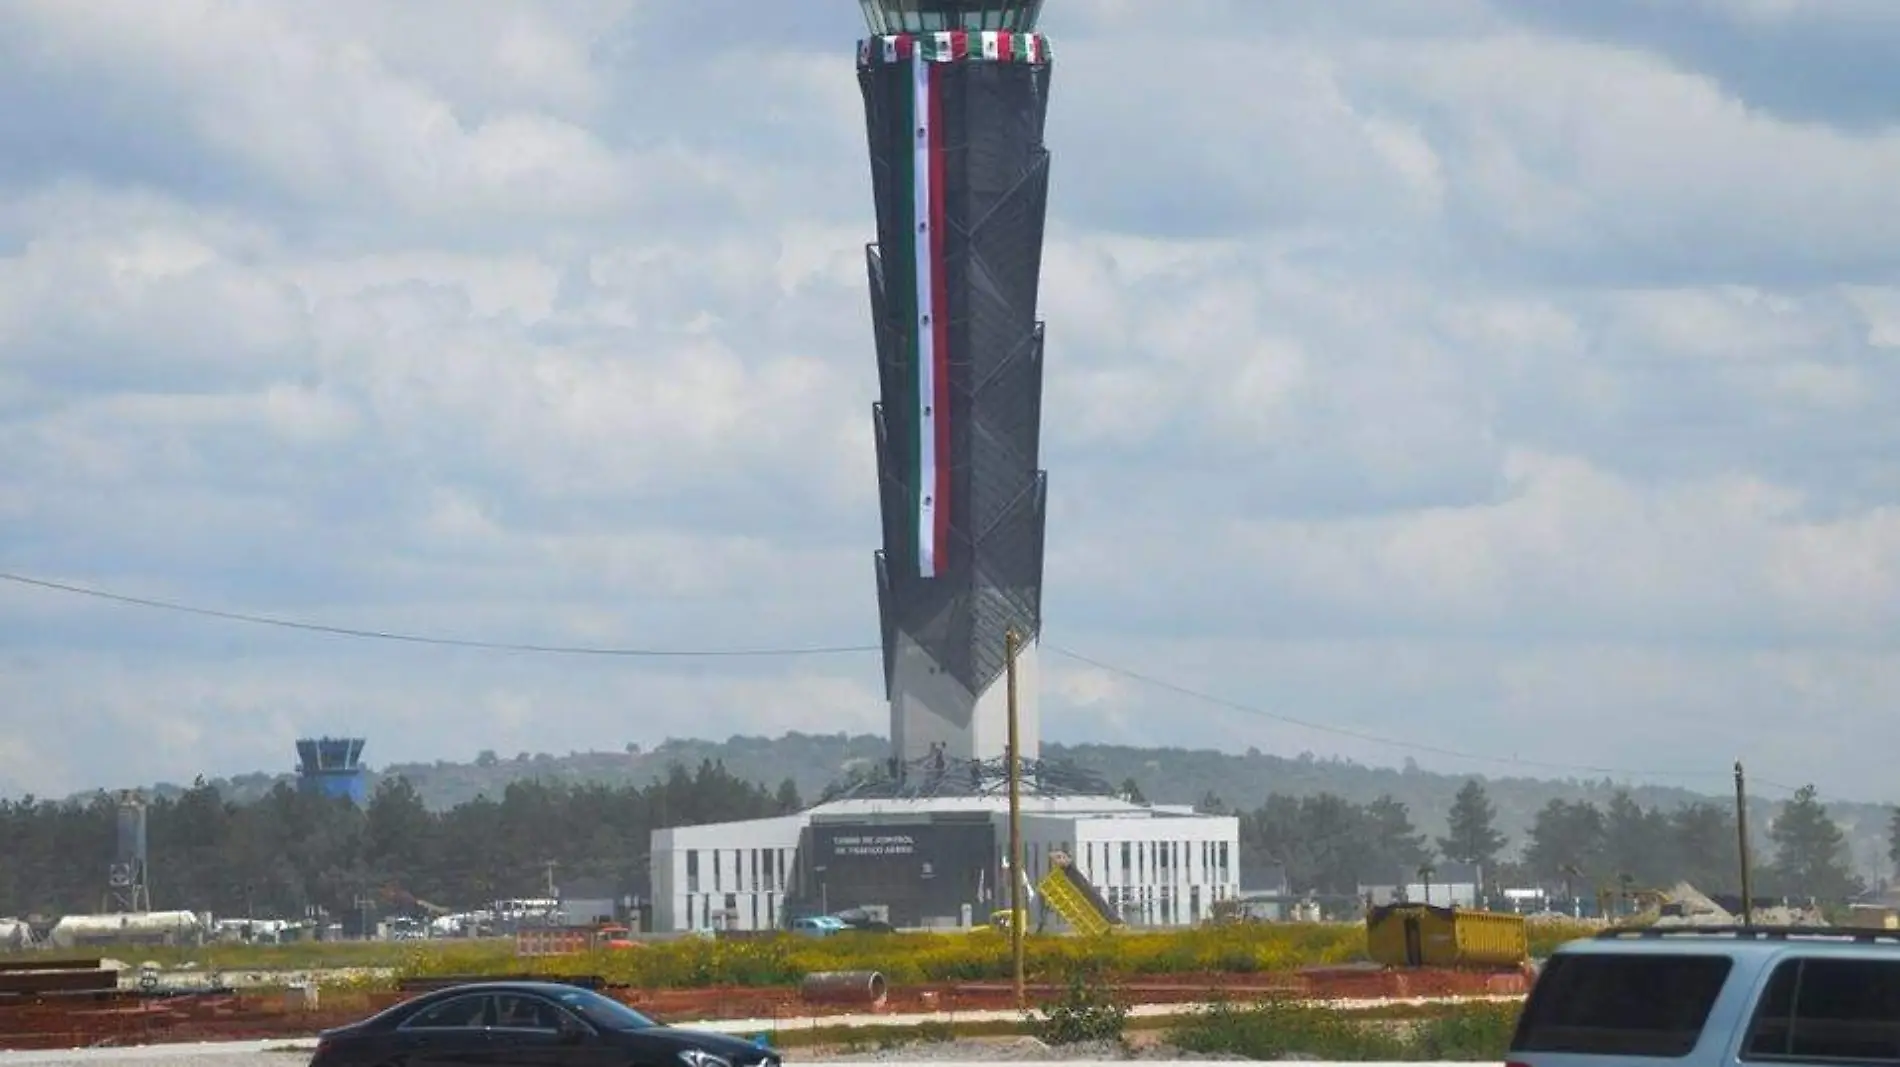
1709, 996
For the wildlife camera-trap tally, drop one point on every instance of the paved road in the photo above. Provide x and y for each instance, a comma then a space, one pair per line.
256, 1054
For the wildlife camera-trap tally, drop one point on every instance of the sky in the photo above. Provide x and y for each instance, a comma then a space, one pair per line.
1506, 386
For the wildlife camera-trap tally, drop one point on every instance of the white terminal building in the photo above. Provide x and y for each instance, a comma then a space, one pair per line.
939, 861
963, 508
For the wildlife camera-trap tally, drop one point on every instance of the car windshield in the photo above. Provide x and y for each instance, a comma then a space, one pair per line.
604, 1012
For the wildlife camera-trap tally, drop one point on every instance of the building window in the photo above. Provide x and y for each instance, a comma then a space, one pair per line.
692, 872
768, 881
755, 871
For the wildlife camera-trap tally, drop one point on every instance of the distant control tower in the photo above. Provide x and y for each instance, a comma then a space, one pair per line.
955, 93
332, 767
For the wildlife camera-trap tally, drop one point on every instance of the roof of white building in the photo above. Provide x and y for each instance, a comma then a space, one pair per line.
730, 835
1072, 806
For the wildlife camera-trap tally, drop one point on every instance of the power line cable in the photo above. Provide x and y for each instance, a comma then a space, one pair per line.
829, 650
1360, 735
427, 639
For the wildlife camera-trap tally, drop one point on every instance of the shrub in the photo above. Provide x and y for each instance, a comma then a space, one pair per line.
1085, 1012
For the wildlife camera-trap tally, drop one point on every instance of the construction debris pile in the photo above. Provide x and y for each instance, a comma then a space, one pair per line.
1685, 905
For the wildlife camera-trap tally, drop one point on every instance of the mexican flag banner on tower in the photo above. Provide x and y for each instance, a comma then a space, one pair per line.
921, 170
921, 299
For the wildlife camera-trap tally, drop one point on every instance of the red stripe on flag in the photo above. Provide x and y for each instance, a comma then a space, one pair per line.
959, 44
1005, 46
939, 324
905, 45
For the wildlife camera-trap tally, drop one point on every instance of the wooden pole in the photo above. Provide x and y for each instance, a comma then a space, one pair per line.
1741, 843
1017, 919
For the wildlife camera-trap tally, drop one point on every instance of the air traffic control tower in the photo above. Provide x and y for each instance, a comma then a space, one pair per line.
955, 94
332, 767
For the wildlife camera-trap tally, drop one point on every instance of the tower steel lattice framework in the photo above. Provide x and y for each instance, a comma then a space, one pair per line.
955, 96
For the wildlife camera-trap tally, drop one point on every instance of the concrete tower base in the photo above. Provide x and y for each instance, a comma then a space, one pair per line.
932, 711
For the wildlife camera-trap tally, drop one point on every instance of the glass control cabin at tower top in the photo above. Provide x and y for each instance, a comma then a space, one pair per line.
928, 16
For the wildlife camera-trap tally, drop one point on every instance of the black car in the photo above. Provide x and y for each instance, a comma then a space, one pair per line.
527, 1024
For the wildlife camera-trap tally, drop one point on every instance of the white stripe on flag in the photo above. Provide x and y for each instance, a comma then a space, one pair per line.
991, 44
926, 337
890, 49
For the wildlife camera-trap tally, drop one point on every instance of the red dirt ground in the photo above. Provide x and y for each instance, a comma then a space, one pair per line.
128, 1019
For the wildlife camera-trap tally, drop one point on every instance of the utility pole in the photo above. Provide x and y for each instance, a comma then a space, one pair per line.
1016, 917
363, 903
1741, 843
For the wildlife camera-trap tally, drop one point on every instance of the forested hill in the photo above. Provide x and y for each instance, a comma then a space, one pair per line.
1242, 781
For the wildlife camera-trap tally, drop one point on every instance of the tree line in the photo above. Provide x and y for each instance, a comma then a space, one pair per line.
1573, 848
290, 852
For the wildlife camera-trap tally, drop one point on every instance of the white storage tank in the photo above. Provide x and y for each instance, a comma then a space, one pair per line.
162, 927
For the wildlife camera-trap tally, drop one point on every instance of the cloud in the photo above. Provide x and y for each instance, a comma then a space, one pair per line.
1506, 378
1749, 47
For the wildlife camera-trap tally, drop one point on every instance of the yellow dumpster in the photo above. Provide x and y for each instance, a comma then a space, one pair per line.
1079, 903
1422, 935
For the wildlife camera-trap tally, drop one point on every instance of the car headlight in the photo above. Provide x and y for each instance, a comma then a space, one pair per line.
696, 1057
